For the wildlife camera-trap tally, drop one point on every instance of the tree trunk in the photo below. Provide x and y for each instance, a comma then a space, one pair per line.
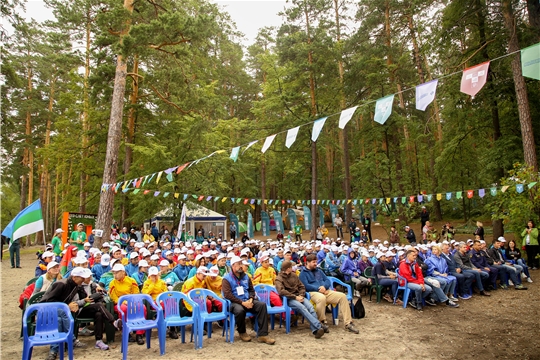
529, 149
106, 200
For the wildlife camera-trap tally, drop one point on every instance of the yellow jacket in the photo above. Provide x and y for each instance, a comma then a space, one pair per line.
125, 287
214, 284
264, 276
154, 288
190, 284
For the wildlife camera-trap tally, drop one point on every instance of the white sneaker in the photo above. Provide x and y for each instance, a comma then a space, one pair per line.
529, 280
523, 276
510, 283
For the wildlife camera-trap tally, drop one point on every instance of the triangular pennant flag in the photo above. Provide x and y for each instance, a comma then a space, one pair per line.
117, 187
185, 197
124, 185
429, 197
156, 193
403, 200
318, 202
470, 194
383, 109
291, 136
165, 194
367, 201
481, 193
519, 188
200, 197
233, 200
395, 200
145, 179
349, 201
224, 199
346, 116
126, 190
169, 177
411, 199
151, 177
373, 201
252, 201
159, 177
504, 188
138, 184
176, 195
267, 143
388, 200
474, 79
420, 198
265, 201
338, 202
458, 194
530, 61
381, 200
355, 201
493, 191
448, 195
317, 127
439, 196
246, 201
134, 183
180, 168
136, 191
216, 198
259, 201
249, 145
234, 153
425, 94
288, 201
146, 192
238, 200
194, 196
208, 198
530, 186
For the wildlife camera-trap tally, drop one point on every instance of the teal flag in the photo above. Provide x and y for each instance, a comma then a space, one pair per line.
279, 221
234, 153
307, 218
234, 219
383, 109
530, 62
493, 191
265, 223
333, 212
321, 216
250, 227
291, 218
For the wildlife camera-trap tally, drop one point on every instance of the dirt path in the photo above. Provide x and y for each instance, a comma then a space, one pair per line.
505, 325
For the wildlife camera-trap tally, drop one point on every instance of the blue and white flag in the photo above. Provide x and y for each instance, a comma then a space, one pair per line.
317, 127
383, 109
346, 116
425, 94
291, 136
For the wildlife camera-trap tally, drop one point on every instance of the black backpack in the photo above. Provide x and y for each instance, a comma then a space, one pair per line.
359, 310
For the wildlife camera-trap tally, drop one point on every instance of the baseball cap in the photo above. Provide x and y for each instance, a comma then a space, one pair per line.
87, 273
153, 271
59, 230
47, 254
202, 270
214, 271
52, 264
236, 259
118, 267
501, 239
87, 244
80, 260
143, 263
78, 271
133, 255
154, 257
105, 244
164, 263
105, 260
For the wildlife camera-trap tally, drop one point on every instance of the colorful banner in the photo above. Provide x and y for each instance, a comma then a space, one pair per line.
317, 127
333, 213
474, 79
383, 109
291, 136
530, 62
425, 94
279, 221
307, 218
265, 223
291, 218
250, 145
234, 153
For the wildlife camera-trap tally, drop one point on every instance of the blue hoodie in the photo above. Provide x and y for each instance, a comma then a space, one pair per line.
98, 270
349, 266
331, 261
181, 271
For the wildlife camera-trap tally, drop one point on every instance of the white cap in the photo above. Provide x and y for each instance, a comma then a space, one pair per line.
164, 263
236, 259
59, 230
47, 254
87, 244
214, 271
221, 256
118, 267
202, 270
389, 254
143, 263
87, 273
134, 255
501, 239
80, 260
153, 271
198, 257
51, 265
105, 260
78, 271
379, 255
105, 244
115, 249
154, 257
182, 257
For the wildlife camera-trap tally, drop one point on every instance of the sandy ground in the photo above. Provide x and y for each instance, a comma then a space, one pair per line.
505, 325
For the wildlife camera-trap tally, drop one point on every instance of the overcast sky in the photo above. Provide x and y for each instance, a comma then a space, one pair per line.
249, 16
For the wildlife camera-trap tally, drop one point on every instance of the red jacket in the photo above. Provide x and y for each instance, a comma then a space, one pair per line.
405, 270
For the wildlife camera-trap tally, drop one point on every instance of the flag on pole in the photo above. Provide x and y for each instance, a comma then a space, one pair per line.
182, 221
383, 109
530, 62
291, 136
346, 116
474, 79
268, 142
27, 222
425, 94
317, 127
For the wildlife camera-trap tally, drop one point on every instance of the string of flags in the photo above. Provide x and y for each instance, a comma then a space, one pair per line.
411, 199
473, 80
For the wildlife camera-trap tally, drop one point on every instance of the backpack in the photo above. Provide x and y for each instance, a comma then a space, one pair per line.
359, 310
26, 294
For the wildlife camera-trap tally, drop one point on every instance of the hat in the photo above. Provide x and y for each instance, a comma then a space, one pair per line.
153, 271
118, 267
164, 263
133, 255
202, 270
131, 240
80, 224
221, 256
59, 230
214, 271
105, 244
389, 254
501, 239
143, 263
182, 257
87, 244
198, 257
105, 260
47, 254
236, 259
379, 255
80, 260
52, 264
401, 253
87, 273
115, 249
78, 271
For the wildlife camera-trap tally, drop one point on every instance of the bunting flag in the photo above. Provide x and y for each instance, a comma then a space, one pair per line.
458, 194
439, 196
136, 191
234, 153
429, 197
346, 116
420, 198
169, 177
146, 192
403, 200
474, 78
165, 194
411, 199
317, 127
291, 136
383, 109
185, 197
246, 201
425, 94
470, 194
159, 177
249, 145
224, 199
530, 62
145, 179
208, 198
482, 193
504, 188
373, 201
448, 195
176, 195
156, 193
519, 188
388, 200
493, 191
530, 186
180, 168
268, 142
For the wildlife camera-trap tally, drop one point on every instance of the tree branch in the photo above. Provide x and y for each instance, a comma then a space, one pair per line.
162, 97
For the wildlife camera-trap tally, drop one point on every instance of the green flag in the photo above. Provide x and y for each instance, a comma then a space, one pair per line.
530, 61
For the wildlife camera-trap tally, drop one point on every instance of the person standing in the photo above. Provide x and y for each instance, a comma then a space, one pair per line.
338, 223
352, 228
298, 231
15, 253
78, 237
56, 242
394, 236
424, 216
366, 223
232, 231
410, 236
479, 230
530, 240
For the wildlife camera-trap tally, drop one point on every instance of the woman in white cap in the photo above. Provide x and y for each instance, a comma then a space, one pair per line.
49, 278
41, 267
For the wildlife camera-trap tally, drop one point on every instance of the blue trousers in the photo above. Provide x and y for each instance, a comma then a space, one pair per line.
306, 309
63, 326
389, 282
465, 280
525, 267
480, 276
418, 291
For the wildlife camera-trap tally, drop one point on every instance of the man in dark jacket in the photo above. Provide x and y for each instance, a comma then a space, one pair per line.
410, 236
478, 259
289, 285
463, 260
464, 279
496, 259
424, 216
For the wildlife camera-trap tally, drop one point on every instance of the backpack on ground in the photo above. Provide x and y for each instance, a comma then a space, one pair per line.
359, 310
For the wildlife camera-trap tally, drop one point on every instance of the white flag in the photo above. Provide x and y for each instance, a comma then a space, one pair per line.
317, 127
425, 94
249, 145
182, 221
346, 116
267, 143
291, 136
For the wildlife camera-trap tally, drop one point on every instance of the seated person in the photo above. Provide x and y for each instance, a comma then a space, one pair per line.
318, 286
479, 260
386, 278
153, 285
167, 275
464, 279
438, 269
181, 269
141, 275
289, 285
102, 267
41, 267
411, 271
512, 253
514, 271
438, 285
238, 289
350, 271
50, 277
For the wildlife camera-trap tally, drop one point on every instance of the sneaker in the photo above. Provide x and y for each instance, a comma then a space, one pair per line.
266, 339
245, 337
86, 332
452, 304
131, 338
412, 304
101, 345
350, 327
430, 302
503, 286
523, 276
325, 328
139, 339
529, 280
78, 344
520, 287
318, 333
485, 293
510, 282
52, 356
452, 298
465, 297
118, 324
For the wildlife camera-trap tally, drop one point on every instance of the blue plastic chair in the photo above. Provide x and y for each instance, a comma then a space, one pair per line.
134, 319
335, 310
263, 293
199, 296
402, 285
170, 302
46, 331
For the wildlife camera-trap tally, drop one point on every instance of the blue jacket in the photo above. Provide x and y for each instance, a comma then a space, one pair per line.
131, 269
321, 255
235, 283
438, 264
181, 271
450, 262
349, 266
478, 259
313, 279
98, 270
331, 261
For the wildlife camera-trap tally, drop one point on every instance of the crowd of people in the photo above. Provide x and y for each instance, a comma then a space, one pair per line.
435, 272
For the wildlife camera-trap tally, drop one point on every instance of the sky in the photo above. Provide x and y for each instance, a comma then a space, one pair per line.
249, 16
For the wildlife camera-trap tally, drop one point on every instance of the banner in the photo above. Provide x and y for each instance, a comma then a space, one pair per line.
530, 62
321, 216
333, 213
291, 217
267, 143
265, 223
234, 153
279, 221
182, 223
317, 127
234, 219
474, 79
425, 94
27, 222
346, 116
250, 227
291, 136
383, 109
307, 218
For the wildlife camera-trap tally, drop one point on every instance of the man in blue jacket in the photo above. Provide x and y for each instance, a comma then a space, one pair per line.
479, 260
464, 279
318, 286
